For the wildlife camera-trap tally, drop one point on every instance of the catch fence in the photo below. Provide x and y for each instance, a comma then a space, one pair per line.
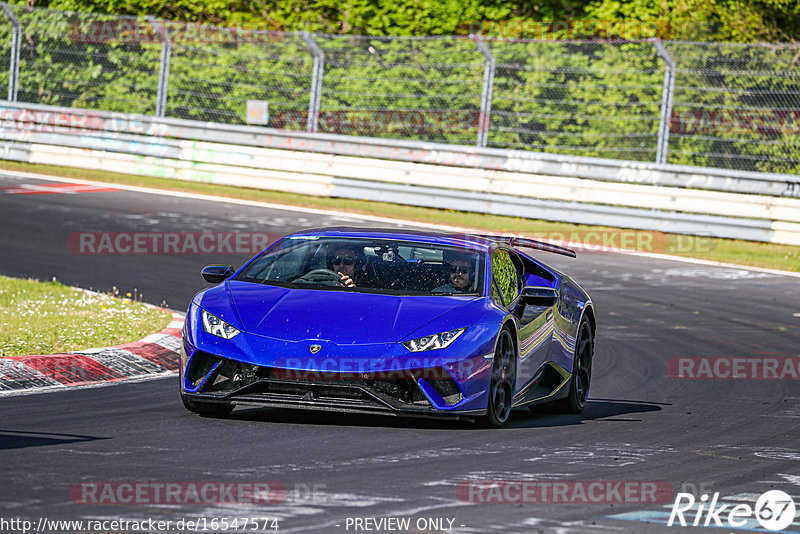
724, 105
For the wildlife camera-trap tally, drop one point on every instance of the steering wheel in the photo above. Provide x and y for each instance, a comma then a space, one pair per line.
320, 275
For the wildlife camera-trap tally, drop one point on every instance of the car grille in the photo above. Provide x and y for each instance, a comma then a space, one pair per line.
398, 390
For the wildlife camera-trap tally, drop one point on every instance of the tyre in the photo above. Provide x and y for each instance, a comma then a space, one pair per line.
214, 409
504, 375
581, 377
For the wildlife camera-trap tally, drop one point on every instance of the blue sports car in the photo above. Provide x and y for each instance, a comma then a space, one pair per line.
388, 321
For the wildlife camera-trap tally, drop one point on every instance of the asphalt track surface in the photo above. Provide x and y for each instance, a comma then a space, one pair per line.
736, 437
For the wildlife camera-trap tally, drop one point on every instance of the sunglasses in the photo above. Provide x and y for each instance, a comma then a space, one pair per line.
346, 260
461, 270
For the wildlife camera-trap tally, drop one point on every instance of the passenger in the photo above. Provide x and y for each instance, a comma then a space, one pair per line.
461, 269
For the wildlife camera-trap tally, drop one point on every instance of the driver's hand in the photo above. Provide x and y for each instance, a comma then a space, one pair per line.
346, 280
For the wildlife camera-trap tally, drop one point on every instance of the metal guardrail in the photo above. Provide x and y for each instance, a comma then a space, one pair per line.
691, 200
90, 122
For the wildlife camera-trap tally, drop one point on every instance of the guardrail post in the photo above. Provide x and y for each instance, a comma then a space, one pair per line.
486, 95
163, 67
666, 101
16, 44
316, 81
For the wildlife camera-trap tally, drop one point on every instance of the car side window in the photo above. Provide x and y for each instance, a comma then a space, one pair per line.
496, 292
290, 265
506, 276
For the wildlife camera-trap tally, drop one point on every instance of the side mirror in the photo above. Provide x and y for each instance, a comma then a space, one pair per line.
214, 274
539, 296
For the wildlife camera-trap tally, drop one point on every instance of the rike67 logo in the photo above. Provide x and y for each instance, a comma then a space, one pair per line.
773, 510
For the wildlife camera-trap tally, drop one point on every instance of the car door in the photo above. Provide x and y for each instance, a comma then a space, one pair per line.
534, 323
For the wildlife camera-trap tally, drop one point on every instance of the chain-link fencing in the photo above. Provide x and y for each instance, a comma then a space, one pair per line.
579, 98
65, 60
213, 81
734, 106
425, 89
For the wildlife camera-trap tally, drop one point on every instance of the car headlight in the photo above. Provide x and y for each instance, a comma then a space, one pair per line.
217, 327
437, 341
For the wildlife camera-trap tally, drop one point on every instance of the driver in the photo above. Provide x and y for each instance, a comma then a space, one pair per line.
460, 268
348, 261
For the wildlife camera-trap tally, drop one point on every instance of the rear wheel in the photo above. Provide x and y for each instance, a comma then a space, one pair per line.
501, 388
581, 371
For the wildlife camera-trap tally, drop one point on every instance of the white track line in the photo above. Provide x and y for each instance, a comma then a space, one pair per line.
388, 220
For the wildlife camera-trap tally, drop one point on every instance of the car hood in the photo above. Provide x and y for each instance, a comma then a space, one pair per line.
342, 317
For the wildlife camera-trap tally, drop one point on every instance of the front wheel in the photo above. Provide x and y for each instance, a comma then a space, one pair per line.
581, 371
501, 388
214, 409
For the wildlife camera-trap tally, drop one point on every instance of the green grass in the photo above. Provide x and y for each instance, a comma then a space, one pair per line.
48, 318
784, 257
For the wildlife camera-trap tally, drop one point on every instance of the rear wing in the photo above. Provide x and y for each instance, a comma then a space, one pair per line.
521, 242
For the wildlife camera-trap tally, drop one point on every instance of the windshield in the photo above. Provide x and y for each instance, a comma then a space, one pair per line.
368, 265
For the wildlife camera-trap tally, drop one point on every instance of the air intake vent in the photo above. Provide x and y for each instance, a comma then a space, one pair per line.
199, 366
